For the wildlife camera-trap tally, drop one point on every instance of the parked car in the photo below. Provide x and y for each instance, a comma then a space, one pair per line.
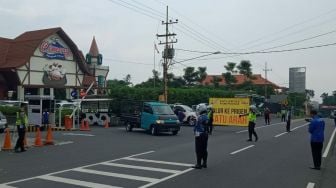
189, 114
3, 122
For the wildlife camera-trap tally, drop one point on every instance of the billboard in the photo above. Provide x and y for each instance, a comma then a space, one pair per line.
227, 111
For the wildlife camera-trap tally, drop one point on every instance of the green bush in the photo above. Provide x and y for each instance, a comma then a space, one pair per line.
9, 110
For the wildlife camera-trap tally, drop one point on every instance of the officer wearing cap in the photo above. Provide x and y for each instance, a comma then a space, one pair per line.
201, 131
252, 117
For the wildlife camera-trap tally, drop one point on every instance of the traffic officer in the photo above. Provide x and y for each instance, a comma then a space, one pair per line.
21, 123
316, 130
252, 117
201, 131
210, 117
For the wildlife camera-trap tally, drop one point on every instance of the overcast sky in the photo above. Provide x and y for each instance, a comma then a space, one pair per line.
125, 33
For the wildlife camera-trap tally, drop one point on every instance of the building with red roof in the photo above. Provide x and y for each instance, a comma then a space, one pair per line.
42, 61
257, 80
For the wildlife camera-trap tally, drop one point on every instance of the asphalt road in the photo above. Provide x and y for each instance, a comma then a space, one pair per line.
115, 158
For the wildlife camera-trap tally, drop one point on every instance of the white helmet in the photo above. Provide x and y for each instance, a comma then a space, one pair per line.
201, 108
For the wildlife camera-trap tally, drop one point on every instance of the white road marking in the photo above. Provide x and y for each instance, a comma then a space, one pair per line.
166, 178
26, 179
250, 146
142, 168
76, 182
159, 162
6, 186
77, 134
118, 175
310, 185
264, 126
278, 135
326, 151
64, 143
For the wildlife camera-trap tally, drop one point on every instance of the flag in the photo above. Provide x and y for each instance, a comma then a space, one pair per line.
156, 49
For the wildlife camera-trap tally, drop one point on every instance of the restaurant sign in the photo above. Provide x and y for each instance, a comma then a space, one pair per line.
54, 49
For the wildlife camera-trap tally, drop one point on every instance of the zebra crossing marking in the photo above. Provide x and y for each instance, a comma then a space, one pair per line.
83, 169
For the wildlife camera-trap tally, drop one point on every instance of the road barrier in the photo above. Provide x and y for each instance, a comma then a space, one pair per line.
38, 139
49, 138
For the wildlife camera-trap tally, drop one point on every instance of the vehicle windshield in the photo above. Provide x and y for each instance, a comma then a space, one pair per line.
162, 110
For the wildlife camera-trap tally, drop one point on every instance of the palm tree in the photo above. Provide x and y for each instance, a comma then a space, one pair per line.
216, 80
201, 74
228, 76
245, 69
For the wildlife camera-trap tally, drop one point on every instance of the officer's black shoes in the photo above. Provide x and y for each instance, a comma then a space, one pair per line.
249, 140
315, 168
23, 150
197, 167
204, 166
256, 139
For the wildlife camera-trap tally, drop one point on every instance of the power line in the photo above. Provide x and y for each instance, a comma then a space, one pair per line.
129, 62
290, 27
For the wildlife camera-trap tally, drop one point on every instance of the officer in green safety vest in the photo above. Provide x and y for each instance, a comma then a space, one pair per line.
252, 117
21, 124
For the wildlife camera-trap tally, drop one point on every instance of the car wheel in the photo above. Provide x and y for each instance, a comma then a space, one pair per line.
2, 130
153, 130
129, 127
174, 132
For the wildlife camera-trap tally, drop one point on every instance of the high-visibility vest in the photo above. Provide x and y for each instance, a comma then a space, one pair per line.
252, 117
19, 119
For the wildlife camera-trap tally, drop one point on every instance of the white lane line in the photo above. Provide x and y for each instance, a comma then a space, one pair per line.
159, 162
278, 135
326, 151
64, 143
310, 185
118, 175
250, 146
142, 168
264, 126
6, 186
26, 179
166, 178
76, 182
77, 134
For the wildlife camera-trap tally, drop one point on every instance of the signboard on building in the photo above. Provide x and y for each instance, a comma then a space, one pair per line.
227, 111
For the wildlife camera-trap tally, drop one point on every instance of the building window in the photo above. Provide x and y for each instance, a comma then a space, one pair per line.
46, 91
31, 91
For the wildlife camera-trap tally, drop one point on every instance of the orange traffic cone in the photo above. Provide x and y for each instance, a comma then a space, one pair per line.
7, 145
49, 139
84, 126
106, 124
38, 140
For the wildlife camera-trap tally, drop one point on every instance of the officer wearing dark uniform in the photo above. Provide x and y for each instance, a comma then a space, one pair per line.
21, 123
210, 116
201, 131
252, 117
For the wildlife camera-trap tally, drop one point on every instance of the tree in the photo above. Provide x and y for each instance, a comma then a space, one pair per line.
228, 76
127, 79
245, 69
201, 74
231, 67
189, 75
324, 96
216, 80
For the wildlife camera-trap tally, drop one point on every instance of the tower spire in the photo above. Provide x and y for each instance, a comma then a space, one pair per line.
94, 52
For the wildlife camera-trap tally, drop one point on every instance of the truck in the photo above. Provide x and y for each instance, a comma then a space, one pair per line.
154, 117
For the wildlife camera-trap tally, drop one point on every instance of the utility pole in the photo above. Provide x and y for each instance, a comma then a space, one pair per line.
266, 70
168, 53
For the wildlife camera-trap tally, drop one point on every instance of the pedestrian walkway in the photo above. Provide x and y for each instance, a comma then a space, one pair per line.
124, 172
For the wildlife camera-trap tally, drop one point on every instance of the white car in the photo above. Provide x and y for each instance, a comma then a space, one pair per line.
189, 113
3, 122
